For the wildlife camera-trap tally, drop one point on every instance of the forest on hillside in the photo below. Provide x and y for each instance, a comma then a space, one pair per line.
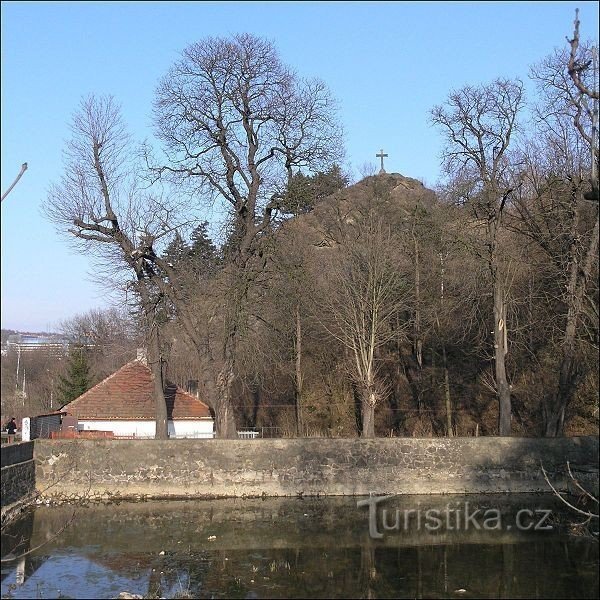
375, 309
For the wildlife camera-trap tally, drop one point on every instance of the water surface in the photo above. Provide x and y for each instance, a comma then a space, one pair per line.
289, 548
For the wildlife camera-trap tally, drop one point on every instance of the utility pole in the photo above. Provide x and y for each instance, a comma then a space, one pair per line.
18, 364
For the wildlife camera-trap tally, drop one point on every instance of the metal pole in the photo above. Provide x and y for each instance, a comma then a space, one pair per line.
18, 364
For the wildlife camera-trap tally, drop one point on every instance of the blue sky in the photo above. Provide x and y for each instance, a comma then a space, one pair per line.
387, 63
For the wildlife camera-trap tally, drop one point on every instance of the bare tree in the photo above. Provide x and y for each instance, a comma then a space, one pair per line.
100, 205
362, 297
478, 124
557, 206
582, 67
111, 335
235, 123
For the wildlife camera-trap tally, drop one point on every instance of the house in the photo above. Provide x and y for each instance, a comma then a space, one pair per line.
123, 404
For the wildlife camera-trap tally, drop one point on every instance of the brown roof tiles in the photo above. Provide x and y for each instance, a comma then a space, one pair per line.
127, 394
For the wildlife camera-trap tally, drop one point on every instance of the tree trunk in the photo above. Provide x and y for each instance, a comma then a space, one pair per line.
411, 371
358, 408
418, 341
368, 403
255, 405
447, 392
153, 357
500, 351
447, 396
298, 373
225, 426
155, 364
368, 420
554, 413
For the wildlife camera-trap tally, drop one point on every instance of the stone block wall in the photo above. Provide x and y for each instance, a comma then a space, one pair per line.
17, 479
291, 467
11, 454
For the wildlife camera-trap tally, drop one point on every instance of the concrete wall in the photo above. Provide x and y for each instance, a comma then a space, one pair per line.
212, 468
17, 479
190, 428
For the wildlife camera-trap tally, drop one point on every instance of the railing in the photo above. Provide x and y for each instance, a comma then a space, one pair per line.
13, 437
243, 434
201, 436
248, 434
71, 434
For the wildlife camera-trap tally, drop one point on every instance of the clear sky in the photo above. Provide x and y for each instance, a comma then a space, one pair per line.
388, 64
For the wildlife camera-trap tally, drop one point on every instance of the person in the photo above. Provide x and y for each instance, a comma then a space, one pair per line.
11, 429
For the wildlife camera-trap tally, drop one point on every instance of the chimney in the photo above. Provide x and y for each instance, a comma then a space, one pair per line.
141, 356
192, 387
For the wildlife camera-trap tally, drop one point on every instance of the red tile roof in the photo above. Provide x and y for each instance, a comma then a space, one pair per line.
127, 394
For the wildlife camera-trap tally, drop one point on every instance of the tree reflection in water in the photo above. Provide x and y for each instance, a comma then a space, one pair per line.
288, 548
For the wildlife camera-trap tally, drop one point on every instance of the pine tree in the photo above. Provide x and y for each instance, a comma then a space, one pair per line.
305, 191
77, 379
203, 253
177, 250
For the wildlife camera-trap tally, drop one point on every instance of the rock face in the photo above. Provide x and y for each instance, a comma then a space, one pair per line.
389, 192
398, 184
391, 187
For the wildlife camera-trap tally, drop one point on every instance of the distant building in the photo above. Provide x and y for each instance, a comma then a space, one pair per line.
30, 342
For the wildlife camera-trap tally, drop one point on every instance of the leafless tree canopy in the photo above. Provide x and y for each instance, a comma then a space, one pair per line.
99, 202
563, 103
363, 295
478, 124
236, 122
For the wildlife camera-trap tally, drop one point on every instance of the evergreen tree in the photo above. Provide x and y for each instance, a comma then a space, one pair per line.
77, 379
202, 250
177, 250
199, 256
203, 258
305, 191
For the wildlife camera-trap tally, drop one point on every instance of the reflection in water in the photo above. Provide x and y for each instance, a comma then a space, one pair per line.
292, 548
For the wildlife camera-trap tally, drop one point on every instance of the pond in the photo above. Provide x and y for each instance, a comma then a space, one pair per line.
405, 546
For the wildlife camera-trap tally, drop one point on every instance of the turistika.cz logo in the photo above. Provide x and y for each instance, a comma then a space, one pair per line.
453, 517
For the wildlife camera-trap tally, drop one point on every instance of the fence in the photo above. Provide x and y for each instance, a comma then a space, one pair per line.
90, 434
43, 426
70, 434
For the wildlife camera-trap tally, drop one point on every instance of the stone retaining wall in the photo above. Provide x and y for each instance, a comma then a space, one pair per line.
291, 467
11, 454
17, 479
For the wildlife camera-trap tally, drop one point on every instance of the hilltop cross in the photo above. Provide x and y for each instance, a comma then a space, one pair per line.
381, 155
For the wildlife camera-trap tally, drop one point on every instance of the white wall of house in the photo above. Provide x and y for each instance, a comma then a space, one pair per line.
183, 428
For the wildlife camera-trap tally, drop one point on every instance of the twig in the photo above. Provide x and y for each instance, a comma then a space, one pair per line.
47, 541
557, 493
579, 486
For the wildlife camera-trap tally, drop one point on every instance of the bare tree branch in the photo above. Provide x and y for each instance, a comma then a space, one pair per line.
23, 169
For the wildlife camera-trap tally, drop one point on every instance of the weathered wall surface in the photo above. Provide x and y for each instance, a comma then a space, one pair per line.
213, 468
17, 479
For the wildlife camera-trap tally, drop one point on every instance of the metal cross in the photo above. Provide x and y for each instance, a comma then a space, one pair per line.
381, 155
